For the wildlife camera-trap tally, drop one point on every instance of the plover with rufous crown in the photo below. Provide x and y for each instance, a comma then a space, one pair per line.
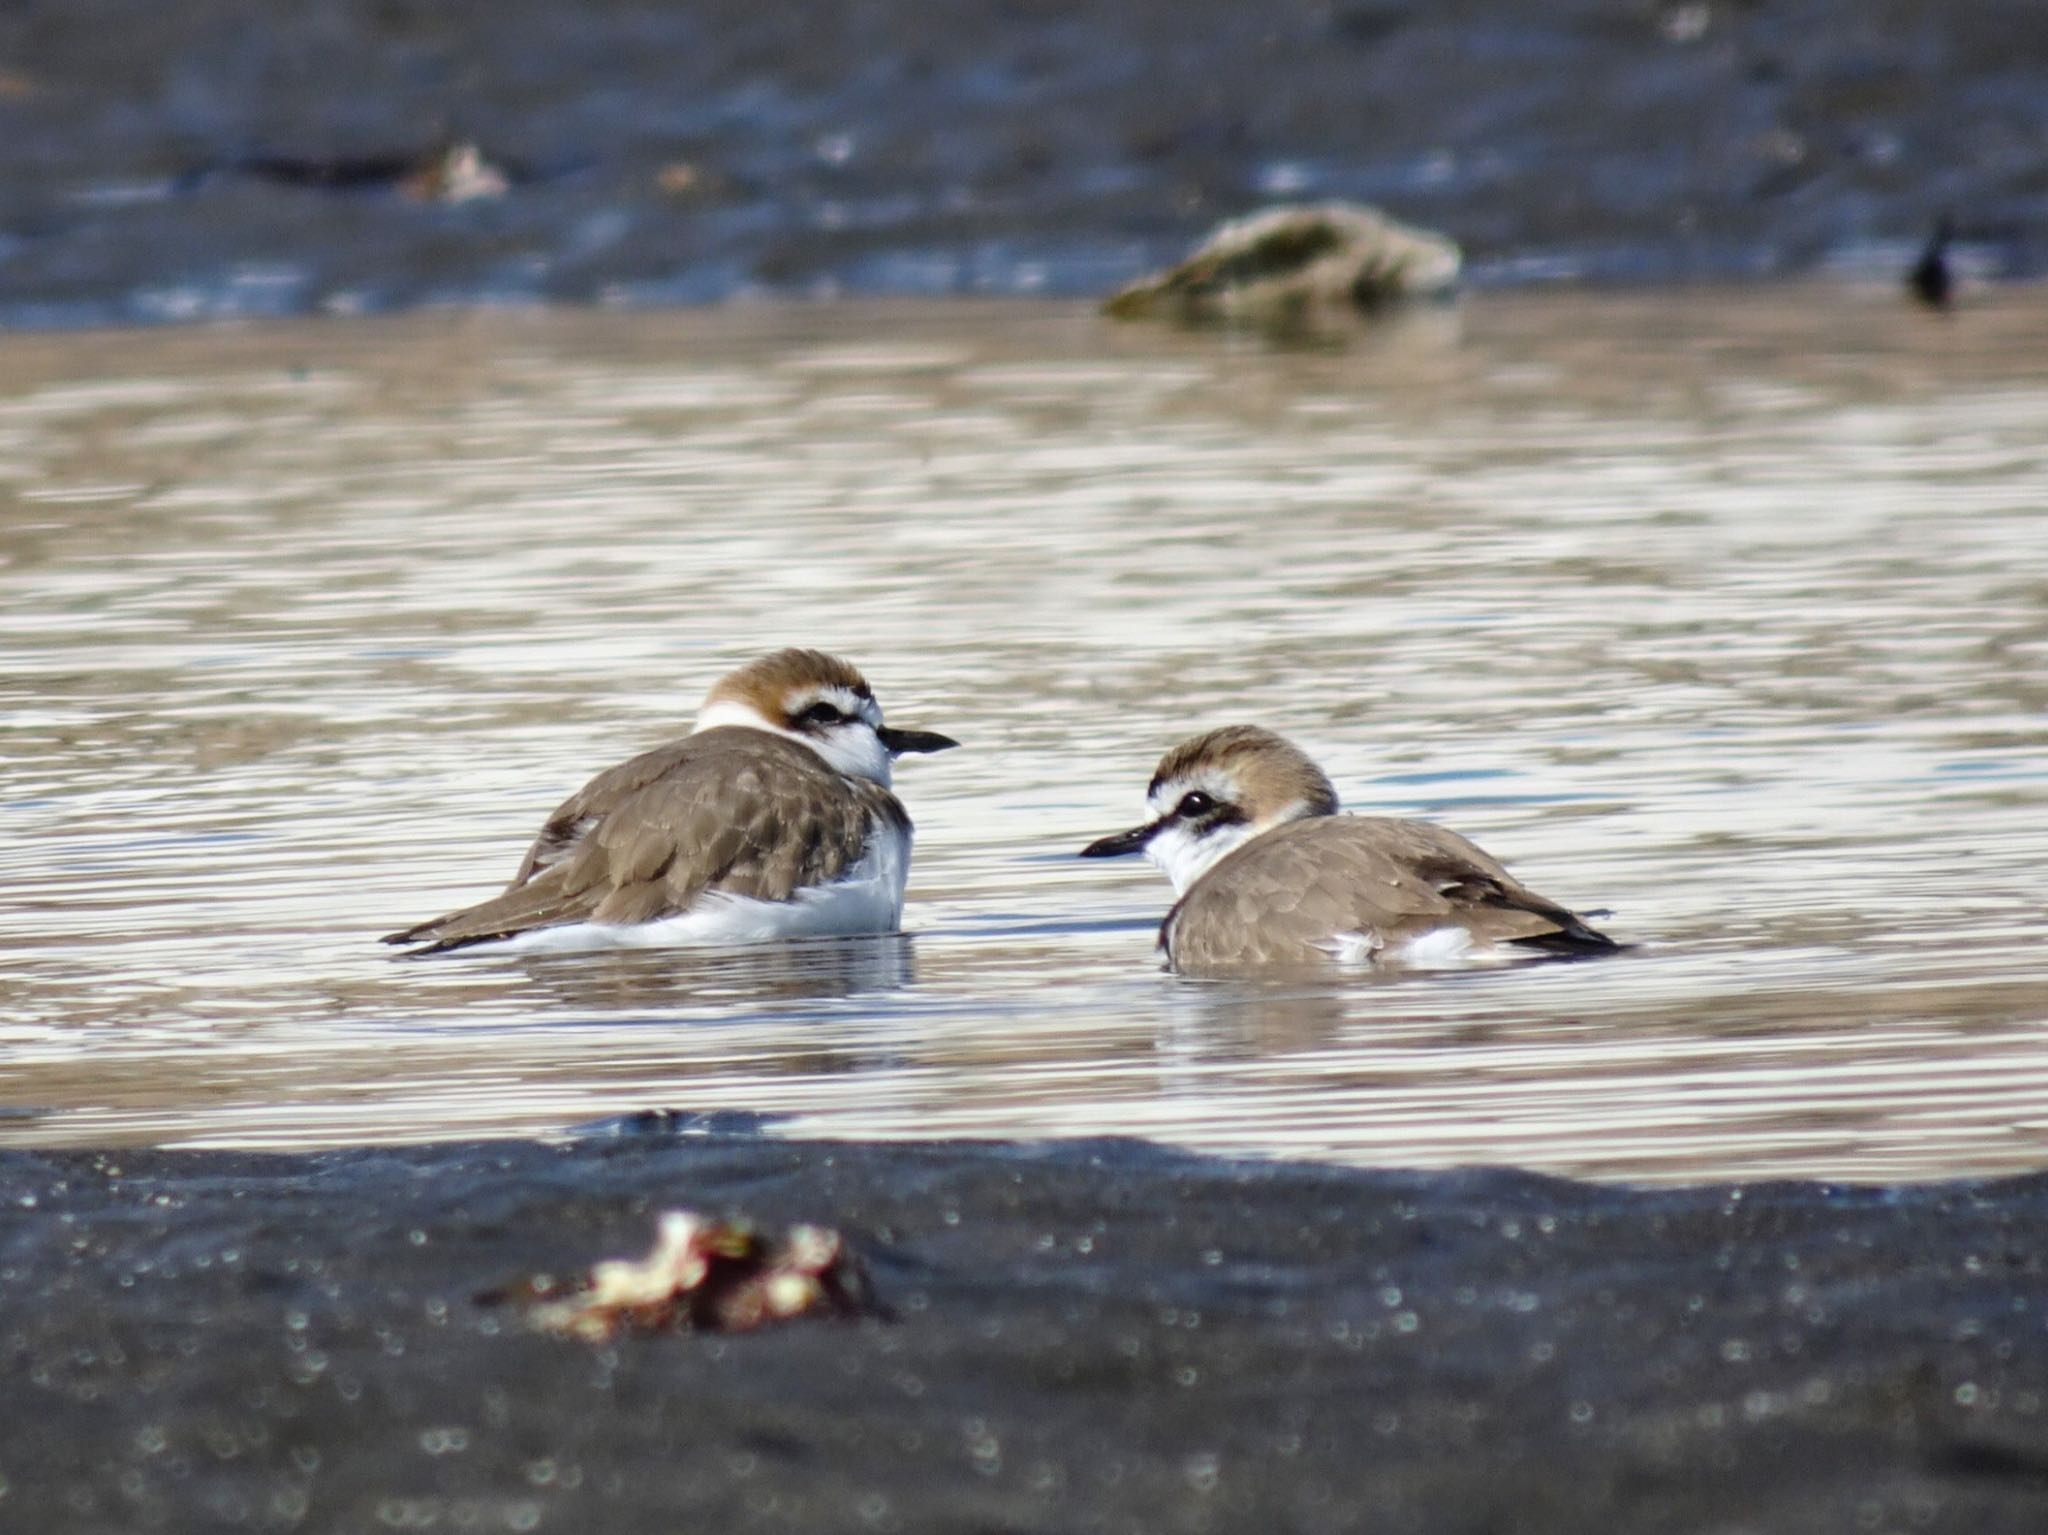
772, 819
1270, 876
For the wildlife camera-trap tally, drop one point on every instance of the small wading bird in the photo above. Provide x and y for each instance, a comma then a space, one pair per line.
771, 819
1270, 876
1286, 266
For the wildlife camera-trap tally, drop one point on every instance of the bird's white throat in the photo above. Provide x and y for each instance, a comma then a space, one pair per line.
1184, 855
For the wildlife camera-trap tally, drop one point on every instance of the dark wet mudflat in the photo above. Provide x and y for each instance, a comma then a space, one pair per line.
1090, 1336
166, 162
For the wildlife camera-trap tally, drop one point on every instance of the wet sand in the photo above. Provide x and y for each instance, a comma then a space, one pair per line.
168, 163
1095, 1336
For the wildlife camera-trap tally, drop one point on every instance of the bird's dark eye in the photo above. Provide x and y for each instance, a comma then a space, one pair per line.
1194, 803
821, 713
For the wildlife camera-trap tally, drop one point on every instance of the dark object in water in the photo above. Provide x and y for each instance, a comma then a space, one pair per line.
1286, 265
454, 172
710, 1275
1932, 280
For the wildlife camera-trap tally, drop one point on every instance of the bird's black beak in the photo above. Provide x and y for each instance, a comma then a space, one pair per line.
897, 742
1121, 844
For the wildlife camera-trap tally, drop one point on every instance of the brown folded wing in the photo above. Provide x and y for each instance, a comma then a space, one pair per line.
735, 811
1281, 898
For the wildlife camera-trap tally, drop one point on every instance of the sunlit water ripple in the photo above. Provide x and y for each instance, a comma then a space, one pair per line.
1727, 612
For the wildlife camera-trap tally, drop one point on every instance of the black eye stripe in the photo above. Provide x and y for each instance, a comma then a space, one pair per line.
821, 713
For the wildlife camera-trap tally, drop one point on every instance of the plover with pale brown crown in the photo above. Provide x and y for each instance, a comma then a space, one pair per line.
772, 819
1270, 875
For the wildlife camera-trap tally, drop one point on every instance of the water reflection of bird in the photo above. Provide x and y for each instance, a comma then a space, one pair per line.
1932, 280
650, 983
1271, 877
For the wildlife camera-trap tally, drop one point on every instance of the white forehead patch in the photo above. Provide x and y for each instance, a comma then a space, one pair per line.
1212, 781
851, 748
845, 700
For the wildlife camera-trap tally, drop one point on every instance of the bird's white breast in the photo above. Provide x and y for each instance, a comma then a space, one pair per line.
1450, 947
868, 900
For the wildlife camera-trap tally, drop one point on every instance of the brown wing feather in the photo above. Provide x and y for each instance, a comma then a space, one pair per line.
730, 810
575, 817
1291, 890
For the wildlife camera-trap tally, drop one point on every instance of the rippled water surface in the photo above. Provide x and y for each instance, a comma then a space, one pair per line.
1728, 612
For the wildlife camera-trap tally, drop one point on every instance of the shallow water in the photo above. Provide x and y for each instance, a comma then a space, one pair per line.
1726, 611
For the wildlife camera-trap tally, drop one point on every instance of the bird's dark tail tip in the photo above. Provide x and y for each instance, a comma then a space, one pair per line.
1575, 942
